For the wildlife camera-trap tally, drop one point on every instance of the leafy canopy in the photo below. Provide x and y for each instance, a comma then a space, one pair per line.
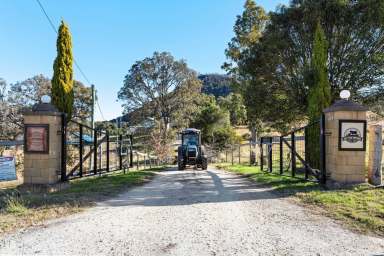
272, 71
159, 84
162, 88
234, 104
25, 94
214, 123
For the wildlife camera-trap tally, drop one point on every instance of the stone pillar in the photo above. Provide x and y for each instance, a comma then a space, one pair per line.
345, 142
375, 154
42, 145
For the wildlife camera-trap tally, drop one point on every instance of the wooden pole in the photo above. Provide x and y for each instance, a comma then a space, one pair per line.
107, 134
232, 154
95, 151
239, 154
293, 152
81, 150
137, 160
281, 155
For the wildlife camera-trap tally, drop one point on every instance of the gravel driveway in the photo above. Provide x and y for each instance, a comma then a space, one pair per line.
193, 213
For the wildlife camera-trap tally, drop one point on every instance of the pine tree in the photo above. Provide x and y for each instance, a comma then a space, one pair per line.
320, 90
248, 30
62, 80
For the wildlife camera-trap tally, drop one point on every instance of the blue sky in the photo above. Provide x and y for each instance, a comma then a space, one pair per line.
109, 36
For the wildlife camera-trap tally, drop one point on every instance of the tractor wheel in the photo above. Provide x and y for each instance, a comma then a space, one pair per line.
204, 163
181, 166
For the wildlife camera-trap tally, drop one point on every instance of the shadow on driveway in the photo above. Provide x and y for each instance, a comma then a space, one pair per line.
191, 187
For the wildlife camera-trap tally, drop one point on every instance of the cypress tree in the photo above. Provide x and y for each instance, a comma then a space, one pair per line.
320, 90
319, 96
62, 80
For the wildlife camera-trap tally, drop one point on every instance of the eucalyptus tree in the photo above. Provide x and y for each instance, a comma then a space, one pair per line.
3, 88
234, 104
163, 88
274, 69
249, 28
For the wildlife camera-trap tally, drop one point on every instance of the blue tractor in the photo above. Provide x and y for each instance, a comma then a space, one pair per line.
191, 152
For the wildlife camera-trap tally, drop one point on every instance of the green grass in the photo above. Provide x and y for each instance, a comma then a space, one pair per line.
281, 183
19, 209
358, 207
15, 205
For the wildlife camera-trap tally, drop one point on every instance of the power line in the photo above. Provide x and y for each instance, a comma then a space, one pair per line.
46, 15
74, 60
54, 29
101, 113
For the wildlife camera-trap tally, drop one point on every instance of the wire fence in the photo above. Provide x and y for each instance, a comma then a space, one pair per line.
236, 154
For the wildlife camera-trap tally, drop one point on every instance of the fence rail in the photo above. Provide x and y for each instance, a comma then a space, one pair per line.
299, 153
88, 151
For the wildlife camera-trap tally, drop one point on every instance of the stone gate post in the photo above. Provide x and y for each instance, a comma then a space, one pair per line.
42, 145
345, 130
375, 154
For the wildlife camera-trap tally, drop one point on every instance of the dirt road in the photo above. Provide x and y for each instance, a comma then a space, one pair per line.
193, 213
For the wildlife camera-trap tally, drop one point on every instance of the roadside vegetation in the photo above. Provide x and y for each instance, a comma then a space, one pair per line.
359, 207
24, 209
283, 68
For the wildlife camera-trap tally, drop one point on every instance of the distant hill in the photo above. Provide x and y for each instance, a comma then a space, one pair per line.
215, 84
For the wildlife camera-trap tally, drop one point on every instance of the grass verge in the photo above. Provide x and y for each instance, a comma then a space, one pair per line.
20, 210
359, 207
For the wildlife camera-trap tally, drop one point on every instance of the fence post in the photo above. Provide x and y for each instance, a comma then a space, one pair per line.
81, 149
63, 148
322, 150
261, 154
120, 149
250, 152
239, 154
145, 162
270, 166
293, 152
107, 134
95, 152
232, 154
150, 162
281, 155
131, 151
137, 160
226, 156
306, 152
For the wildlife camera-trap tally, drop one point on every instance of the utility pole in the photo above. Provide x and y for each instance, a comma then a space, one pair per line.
93, 107
131, 150
93, 97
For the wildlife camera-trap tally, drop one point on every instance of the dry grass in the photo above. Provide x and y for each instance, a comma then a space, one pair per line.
21, 210
361, 208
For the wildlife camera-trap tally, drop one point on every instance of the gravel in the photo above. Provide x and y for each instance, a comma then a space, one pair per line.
193, 213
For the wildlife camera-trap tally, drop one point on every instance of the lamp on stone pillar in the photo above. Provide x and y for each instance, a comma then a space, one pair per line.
345, 130
345, 94
42, 144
